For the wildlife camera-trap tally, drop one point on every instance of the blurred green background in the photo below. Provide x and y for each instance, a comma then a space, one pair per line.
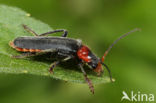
98, 23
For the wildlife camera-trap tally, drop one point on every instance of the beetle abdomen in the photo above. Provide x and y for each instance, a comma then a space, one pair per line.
44, 43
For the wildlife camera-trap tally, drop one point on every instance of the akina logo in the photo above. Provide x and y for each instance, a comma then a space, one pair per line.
137, 96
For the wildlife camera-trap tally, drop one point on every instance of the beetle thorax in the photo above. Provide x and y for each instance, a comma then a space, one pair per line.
83, 53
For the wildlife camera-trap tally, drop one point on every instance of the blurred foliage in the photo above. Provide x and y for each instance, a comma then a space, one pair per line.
132, 61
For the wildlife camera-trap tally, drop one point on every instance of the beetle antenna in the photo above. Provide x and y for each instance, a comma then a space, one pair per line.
110, 75
110, 47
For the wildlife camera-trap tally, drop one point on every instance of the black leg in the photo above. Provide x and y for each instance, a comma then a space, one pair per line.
47, 33
87, 79
55, 31
29, 30
53, 65
67, 58
24, 55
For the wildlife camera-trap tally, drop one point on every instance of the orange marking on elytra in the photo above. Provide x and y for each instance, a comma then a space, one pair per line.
38, 50
18, 49
35, 50
11, 44
23, 49
31, 50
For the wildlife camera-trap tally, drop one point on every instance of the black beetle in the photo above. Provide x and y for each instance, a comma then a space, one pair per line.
66, 48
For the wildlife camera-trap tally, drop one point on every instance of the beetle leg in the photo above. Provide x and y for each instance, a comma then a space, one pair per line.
87, 79
53, 65
47, 33
67, 58
29, 30
55, 31
24, 55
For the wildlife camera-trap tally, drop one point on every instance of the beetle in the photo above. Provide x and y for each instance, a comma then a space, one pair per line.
64, 48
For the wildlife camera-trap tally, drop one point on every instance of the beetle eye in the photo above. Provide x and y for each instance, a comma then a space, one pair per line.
94, 66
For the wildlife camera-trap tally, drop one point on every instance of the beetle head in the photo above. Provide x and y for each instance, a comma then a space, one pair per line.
94, 62
88, 57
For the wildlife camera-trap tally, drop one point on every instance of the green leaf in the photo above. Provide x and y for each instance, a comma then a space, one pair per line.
11, 20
